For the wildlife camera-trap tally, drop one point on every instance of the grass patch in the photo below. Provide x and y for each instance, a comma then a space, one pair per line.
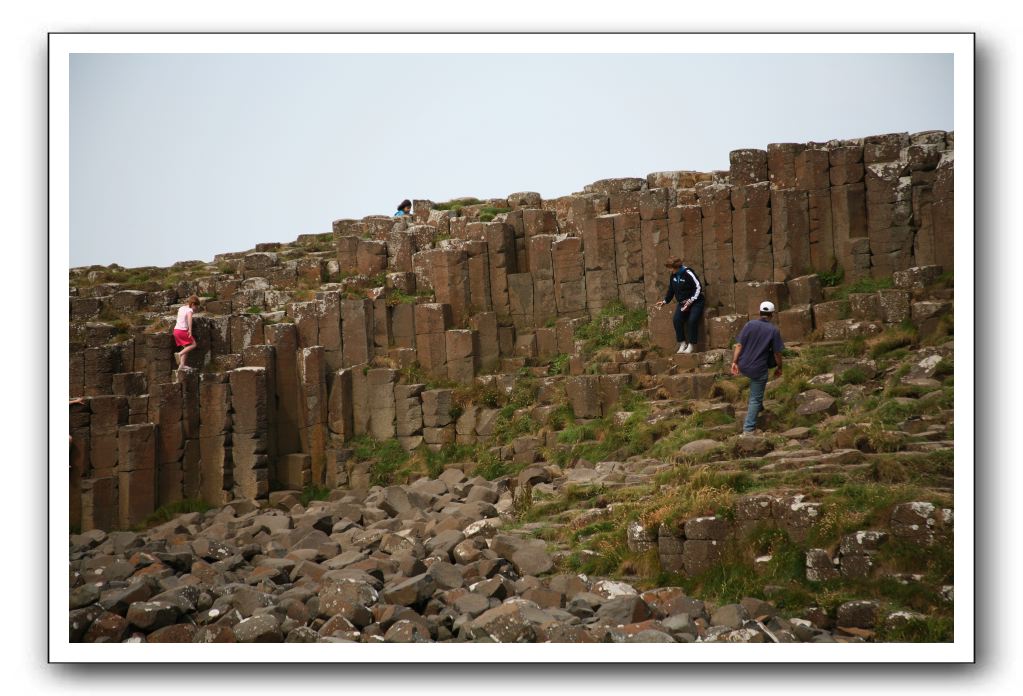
891, 340
863, 285
559, 364
831, 279
165, 513
489, 212
313, 492
931, 629
386, 458
456, 204
608, 329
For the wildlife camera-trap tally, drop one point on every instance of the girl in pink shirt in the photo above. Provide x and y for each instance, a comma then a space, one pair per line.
183, 330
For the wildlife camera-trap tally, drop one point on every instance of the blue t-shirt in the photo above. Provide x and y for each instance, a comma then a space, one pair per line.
400, 213
757, 339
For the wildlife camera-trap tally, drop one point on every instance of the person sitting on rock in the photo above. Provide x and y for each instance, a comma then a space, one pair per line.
404, 208
685, 287
183, 330
757, 349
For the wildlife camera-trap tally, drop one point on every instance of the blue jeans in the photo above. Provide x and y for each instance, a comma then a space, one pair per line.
756, 401
688, 323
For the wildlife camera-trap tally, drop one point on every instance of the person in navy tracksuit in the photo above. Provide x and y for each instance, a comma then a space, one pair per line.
685, 287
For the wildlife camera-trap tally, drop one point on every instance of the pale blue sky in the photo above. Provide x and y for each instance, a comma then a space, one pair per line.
183, 156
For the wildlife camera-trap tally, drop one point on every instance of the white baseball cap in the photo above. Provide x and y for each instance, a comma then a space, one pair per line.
767, 307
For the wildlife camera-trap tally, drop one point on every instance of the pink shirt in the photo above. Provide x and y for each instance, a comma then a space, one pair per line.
184, 312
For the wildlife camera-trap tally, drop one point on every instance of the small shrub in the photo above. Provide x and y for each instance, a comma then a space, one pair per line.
891, 340
166, 513
831, 279
313, 492
854, 375
559, 364
930, 629
489, 212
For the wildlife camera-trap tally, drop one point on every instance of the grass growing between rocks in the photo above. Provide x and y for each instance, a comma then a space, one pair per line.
456, 204
387, 459
313, 492
166, 513
863, 285
609, 328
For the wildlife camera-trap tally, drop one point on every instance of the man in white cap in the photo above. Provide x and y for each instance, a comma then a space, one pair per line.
757, 343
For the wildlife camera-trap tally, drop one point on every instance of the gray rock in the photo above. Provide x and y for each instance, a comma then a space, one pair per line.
819, 566
730, 615
83, 596
623, 610
650, 636
446, 575
532, 561
698, 448
258, 629
150, 616
302, 634
857, 614
405, 631
503, 624
472, 604
414, 591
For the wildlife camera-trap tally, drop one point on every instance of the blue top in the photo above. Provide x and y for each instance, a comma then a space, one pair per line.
399, 213
683, 286
757, 338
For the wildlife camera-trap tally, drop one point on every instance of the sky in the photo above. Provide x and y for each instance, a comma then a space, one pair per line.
183, 156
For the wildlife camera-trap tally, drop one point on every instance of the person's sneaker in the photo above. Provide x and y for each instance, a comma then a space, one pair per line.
684, 348
689, 348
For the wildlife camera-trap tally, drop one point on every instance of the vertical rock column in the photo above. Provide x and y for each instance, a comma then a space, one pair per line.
250, 437
264, 356
380, 385
383, 336
356, 331
569, 277
656, 252
159, 350
629, 259
751, 230
283, 338
313, 406
215, 468
790, 214
432, 320
924, 155
408, 408
347, 247
849, 210
339, 426
889, 203
600, 263
502, 261
79, 417
462, 352
484, 325
99, 488
136, 473
101, 364
813, 176
246, 330
478, 264
719, 272
544, 306
751, 216
190, 426
942, 211
166, 407
451, 282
